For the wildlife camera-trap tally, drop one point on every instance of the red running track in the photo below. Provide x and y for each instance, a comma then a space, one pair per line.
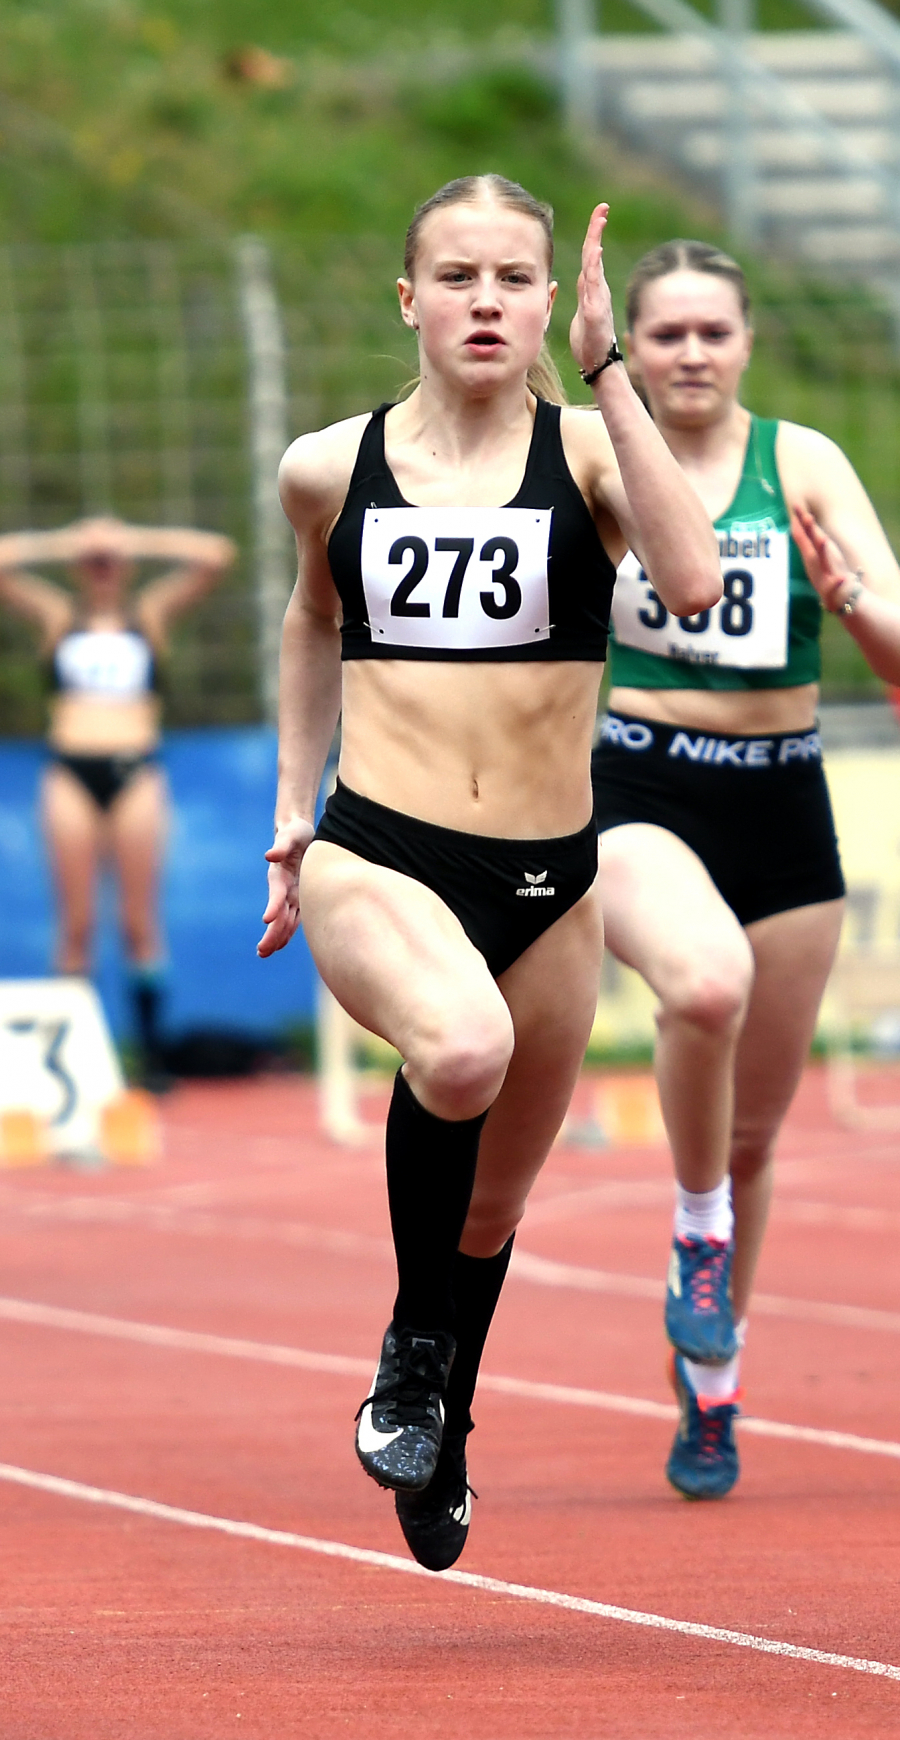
183, 1350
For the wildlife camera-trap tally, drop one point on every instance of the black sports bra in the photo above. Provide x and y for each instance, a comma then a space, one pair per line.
530, 580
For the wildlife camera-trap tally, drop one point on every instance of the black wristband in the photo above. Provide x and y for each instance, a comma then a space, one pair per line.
613, 355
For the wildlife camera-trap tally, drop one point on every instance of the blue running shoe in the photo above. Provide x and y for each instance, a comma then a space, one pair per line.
699, 1319
703, 1462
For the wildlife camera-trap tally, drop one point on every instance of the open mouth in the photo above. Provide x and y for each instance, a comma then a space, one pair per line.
485, 341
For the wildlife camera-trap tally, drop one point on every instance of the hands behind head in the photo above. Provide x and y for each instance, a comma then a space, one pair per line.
114, 540
593, 327
101, 536
282, 915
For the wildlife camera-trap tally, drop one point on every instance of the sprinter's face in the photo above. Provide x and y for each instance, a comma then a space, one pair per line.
690, 345
481, 296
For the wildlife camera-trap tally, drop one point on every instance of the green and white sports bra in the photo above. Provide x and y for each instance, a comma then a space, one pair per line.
764, 634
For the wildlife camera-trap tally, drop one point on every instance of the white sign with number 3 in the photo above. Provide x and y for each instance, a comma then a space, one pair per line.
57, 1059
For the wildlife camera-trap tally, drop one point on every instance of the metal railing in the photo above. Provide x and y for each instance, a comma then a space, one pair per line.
870, 23
755, 94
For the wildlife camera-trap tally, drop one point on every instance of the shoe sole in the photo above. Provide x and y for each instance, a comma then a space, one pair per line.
438, 1560
390, 1485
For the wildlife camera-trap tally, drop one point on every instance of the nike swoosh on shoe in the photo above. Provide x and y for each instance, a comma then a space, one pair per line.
368, 1436
463, 1514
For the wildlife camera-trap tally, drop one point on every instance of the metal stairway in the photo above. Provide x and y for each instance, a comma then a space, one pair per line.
796, 134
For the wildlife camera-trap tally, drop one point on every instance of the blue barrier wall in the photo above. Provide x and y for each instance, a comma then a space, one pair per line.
214, 890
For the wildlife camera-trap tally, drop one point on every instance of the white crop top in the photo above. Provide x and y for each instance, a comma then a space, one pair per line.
109, 664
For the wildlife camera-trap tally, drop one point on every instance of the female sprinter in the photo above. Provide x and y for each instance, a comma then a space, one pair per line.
445, 896
719, 874
103, 794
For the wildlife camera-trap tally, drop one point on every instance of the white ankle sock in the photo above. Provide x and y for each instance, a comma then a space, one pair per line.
717, 1383
704, 1214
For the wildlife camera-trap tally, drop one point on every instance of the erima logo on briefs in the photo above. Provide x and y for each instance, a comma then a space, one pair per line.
536, 885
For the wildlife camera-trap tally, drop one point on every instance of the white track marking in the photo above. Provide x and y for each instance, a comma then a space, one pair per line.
170, 1218
806, 1213
546, 1273
286, 1173
611, 1196
617, 1196
820, 1311
184, 1340
864, 1147
196, 1519
341, 1365
526, 1265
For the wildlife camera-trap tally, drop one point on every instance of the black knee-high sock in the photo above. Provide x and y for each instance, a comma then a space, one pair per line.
477, 1283
430, 1172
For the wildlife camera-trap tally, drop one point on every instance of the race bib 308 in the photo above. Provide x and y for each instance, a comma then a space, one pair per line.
748, 629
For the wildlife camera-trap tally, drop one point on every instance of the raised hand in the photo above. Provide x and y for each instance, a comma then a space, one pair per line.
282, 915
593, 329
829, 573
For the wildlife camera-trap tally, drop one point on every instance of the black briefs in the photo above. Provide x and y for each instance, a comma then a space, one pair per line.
104, 776
505, 893
755, 810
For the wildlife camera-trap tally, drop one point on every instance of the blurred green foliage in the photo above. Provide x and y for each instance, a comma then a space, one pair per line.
187, 122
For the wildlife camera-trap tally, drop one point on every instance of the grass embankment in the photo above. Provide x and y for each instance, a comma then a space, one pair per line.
320, 128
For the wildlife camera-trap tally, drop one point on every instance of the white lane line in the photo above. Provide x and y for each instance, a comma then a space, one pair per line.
170, 1218
617, 1196
184, 1340
525, 1266
809, 1213
341, 1365
545, 1272
161, 1207
196, 1519
612, 1196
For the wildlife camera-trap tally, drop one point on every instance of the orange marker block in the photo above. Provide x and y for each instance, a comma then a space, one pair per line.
130, 1132
628, 1110
24, 1139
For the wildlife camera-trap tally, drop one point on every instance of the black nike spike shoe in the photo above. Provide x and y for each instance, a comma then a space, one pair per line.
401, 1421
435, 1522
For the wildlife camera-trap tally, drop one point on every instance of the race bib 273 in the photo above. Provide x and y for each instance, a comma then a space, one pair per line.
456, 578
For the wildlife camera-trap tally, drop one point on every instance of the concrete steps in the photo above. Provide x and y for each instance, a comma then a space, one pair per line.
827, 194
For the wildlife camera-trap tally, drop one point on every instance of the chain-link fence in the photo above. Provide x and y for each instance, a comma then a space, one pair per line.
124, 387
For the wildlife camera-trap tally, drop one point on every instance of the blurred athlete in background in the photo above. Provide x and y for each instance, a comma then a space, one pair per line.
446, 894
719, 873
103, 796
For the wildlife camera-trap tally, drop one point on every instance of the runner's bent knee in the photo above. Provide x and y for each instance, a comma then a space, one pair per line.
711, 993
457, 1068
